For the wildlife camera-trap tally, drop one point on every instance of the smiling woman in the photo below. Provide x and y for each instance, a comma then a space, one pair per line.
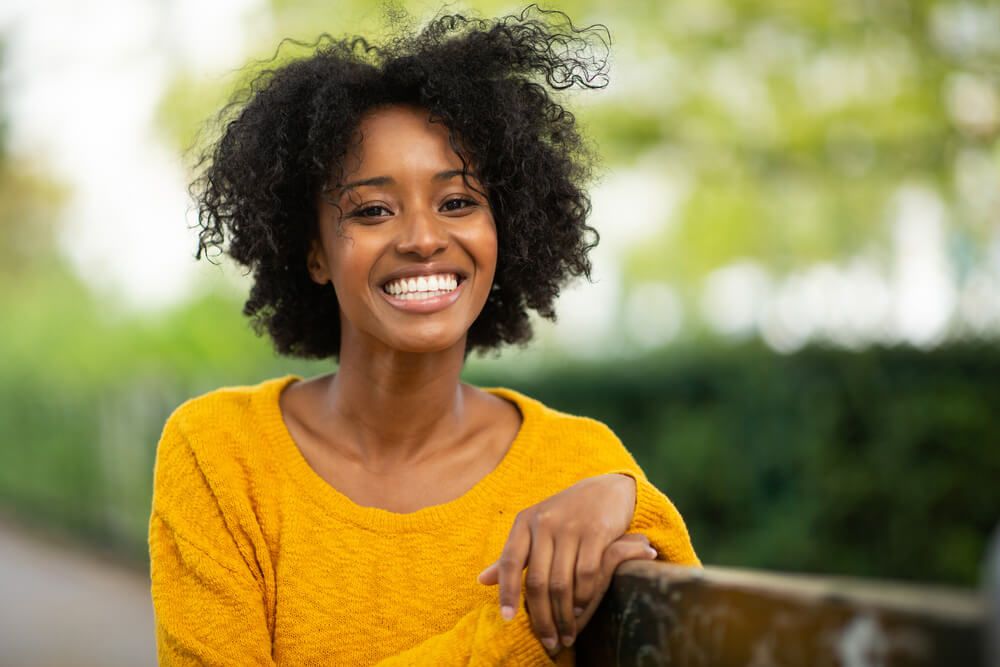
399, 206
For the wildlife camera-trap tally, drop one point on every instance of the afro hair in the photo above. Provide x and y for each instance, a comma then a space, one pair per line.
491, 82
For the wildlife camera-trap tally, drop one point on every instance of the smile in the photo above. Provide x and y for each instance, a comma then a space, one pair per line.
422, 288
423, 294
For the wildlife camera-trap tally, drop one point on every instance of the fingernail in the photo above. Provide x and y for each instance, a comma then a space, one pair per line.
577, 611
567, 640
652, 552
550, 643
507, 612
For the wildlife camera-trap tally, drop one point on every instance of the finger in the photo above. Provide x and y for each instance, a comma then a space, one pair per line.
588, 571
536, 589
588, 567
617, 553
491, 575
633, 548
511, 565
561, 588
621, 550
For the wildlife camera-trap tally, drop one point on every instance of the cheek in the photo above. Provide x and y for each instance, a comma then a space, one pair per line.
490, 253
487, 246
350, 265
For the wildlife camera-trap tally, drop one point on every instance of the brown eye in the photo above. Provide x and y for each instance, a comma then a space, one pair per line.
457, 204
370, 212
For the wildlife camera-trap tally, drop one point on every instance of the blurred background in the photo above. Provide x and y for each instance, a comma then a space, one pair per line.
795, 313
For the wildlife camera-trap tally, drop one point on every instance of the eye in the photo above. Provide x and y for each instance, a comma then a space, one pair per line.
375, 211
457, 204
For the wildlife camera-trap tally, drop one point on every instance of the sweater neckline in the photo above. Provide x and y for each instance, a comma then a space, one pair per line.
484, 493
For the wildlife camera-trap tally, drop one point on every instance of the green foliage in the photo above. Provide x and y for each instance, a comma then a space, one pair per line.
84, 392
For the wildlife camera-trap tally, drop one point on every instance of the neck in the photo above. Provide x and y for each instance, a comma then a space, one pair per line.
395, 407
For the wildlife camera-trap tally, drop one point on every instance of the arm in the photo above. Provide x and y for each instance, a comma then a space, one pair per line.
208, 602
657, 518
655, 515
481, 638
564, 539
208, 611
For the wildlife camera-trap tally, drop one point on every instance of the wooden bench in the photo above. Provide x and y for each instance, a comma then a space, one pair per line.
660, 614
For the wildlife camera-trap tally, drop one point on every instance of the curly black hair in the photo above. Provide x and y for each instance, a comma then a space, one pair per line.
286, 134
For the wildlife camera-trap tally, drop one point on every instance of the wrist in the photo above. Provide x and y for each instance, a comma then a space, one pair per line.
630, 492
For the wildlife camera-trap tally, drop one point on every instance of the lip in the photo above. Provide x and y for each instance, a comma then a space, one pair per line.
432, 305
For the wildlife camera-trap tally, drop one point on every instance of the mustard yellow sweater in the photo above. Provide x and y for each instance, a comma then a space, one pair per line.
256, 560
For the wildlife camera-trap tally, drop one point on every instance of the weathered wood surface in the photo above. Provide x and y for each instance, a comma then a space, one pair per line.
659, 614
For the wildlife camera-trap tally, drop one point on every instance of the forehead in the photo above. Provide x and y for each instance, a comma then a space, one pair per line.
400, 138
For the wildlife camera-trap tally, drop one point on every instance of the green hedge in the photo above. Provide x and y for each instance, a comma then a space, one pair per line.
884, 462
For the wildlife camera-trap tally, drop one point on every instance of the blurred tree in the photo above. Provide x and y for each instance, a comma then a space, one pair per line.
29, 202
797, 123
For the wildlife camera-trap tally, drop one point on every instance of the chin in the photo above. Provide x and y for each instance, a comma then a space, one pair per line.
424, 347
427, 342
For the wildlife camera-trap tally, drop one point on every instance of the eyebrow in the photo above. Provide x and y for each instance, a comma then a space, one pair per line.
389, 180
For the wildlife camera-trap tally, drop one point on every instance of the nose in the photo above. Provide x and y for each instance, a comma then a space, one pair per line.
422, 234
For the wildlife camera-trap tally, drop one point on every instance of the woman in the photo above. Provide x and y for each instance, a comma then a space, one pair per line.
399, 207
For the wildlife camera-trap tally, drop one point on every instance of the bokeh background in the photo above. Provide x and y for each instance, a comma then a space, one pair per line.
795, 313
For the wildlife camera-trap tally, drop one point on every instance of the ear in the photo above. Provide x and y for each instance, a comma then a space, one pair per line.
316, 263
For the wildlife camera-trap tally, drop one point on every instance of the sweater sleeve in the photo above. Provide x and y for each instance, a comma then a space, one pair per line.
482, 638
655, 515
657, 518
208, 603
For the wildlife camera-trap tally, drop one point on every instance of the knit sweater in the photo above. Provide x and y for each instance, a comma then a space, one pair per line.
256, 560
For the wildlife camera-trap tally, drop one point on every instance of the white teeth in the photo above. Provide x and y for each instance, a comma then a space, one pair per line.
422, 287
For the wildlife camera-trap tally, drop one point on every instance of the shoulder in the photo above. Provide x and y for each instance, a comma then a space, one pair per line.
211, 485
220, 408
225, 416
589, 443
217, 434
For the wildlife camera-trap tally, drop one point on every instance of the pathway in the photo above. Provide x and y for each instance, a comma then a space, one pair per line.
62, 606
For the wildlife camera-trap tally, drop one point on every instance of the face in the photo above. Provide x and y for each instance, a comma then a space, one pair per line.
413, 252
